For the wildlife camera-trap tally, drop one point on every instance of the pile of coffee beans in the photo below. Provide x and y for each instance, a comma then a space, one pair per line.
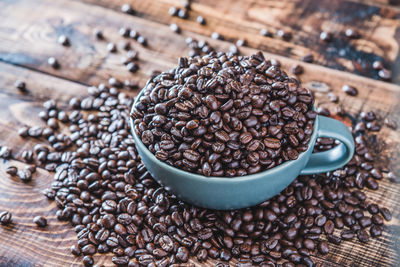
225, 115
103, 189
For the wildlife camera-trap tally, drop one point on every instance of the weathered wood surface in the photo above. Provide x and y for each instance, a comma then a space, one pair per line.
28, 38
305, 20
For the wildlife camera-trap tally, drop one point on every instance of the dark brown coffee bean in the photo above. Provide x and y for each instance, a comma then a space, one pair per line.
347, 234
350, 90
323, 247
53, 62
12, 170
40, 221
20, 85
5, 217
387, 215
385, 74
375, 230
63, 40
362, 235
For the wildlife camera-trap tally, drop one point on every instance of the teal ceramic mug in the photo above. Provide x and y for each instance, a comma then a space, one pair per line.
239, 192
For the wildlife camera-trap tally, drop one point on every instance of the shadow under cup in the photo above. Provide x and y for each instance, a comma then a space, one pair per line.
223, 193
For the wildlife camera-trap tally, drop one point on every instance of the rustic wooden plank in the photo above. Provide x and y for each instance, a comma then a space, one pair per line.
236, 19
17, 197
86, 60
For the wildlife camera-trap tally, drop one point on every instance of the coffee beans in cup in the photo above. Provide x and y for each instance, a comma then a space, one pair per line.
224, 115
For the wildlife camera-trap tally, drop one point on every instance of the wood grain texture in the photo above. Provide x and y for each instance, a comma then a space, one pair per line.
234, 19
28, 39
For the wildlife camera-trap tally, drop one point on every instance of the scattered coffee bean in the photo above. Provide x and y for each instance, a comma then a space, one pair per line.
175, 28
385, 74
265, 32
378, 65
393, 177
141, 40
12, 170
350, 90
308, 58
352, 34
201, 20
390, 123
323, 247
63, 40
241, 42
20, 85
5, 152
99, 34
52, 61
111, 47
173, 11
325, 36
126, 8
216, 36
5, 217
297, 69
386, 213
285, 35
182, 14
40, 221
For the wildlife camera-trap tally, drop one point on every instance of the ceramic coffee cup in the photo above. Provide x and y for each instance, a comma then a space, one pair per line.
244, 191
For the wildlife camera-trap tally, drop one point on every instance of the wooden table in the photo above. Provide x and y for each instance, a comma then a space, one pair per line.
28, 36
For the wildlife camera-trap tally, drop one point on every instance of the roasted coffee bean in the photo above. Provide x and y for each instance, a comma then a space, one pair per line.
362, 235
350, 90
385, 74
63, 40
347, 234
20, 85
387, 215
323, 247
53, 62
5, 217
12, 170
40, 221
126, 8
325, 36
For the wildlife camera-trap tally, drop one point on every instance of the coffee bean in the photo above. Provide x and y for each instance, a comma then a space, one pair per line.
353, 34
284, 35
375, 230
385, 74
175, 28
126, 8
52, 61
5, 217
387, 215
323, 247
111, 47
63, 40
308, 58
347, 234
362, 235
40, 221
297, 69
201, 20
20, 85
350, 90
173, 11
88, 261
12, 170
325, 36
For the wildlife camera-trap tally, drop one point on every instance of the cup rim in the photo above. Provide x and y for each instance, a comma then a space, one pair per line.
224, 179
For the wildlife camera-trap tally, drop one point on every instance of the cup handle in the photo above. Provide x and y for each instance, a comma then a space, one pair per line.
336, 157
